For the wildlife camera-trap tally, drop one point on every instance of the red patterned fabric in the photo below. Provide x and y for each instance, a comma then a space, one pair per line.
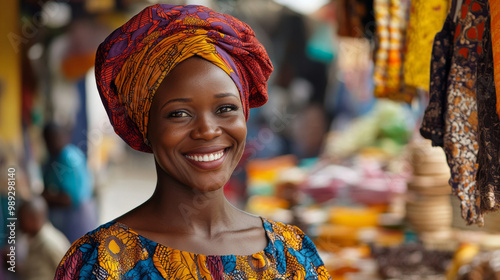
230, 40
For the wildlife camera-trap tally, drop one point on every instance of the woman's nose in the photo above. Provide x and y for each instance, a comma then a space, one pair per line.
206, 128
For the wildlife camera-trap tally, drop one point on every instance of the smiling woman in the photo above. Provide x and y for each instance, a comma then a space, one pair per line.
178, 81
197, 125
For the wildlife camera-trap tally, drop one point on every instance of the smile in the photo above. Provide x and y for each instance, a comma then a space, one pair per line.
206, 157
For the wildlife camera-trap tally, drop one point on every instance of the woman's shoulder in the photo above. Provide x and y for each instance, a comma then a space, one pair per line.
283, 231
101, 232
290, 236
293, 247
109, 241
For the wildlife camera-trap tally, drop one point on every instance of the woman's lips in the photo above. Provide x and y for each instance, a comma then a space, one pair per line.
209, 160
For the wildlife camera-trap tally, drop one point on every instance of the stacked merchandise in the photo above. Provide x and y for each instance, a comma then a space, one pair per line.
428, 208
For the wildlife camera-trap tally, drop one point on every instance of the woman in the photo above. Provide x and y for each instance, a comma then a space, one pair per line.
178, 81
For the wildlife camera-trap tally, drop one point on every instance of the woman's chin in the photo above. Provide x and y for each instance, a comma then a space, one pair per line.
206, 187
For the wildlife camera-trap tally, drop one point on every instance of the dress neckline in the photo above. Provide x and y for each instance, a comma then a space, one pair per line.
265, 225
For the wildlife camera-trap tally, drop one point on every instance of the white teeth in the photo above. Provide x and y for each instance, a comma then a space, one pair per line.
206, 157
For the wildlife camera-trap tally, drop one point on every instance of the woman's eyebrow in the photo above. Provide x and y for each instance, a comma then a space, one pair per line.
180, 100
222, 95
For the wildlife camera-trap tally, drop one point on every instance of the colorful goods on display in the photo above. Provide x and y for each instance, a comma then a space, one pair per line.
411, 261
485, 266
456, 65
404, 34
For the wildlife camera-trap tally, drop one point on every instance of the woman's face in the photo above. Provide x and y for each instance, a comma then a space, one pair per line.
197, 127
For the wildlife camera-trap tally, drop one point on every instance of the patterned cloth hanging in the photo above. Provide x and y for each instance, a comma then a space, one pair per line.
488, 173
455, 110
433, 125
390, 19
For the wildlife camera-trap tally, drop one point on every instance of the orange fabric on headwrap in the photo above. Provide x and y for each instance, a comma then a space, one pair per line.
132, 62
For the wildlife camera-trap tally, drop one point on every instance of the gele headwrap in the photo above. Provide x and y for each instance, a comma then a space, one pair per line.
132, 62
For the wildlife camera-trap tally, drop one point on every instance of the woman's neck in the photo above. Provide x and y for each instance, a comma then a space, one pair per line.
180, 207
180, 217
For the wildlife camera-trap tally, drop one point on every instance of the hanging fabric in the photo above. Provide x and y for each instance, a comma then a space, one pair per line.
495, 41
433, 125
390, 26
426, 19
456, 107
381, 8
354, 18
488, 173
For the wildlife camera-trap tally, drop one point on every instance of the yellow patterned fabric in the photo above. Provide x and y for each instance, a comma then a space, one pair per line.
426, 19
114, 251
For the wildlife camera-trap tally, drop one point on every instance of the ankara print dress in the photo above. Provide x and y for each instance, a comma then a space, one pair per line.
114, 251
451, 119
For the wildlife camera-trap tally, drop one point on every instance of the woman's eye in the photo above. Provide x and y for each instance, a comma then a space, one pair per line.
178, 114
227, 108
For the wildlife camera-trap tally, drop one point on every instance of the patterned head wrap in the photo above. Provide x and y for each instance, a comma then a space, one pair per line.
133, 61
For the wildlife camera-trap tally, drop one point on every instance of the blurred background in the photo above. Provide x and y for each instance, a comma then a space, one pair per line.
335, 151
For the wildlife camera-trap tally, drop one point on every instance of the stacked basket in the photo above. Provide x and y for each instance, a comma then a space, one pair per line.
428, 207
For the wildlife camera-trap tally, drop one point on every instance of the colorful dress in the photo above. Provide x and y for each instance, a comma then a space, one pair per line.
114, 251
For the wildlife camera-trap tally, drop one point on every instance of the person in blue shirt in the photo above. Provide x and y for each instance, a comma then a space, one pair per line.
68, 184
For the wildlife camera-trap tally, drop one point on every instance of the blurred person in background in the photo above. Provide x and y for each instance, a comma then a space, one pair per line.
308, 131
68, 184
46, 244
